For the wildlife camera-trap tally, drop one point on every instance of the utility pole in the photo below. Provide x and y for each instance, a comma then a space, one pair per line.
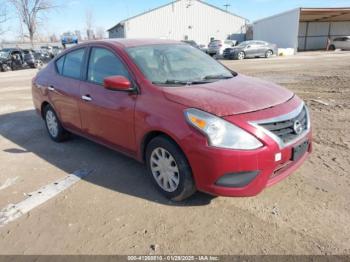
227, 6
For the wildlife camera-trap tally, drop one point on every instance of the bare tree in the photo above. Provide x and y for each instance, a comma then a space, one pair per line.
89, 21
31, 12
100, 32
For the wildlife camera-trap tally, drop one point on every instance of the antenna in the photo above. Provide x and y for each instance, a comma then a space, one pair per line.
227, 6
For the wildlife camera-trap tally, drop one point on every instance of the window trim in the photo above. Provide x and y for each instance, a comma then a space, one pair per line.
134, 86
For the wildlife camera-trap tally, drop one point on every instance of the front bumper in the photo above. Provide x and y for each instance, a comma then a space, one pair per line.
210, 164
229, 55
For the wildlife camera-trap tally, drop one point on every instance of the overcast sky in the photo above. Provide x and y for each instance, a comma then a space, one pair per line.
71, 15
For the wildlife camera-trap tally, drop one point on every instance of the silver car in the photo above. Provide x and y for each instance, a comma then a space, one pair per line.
251, 48
342, 43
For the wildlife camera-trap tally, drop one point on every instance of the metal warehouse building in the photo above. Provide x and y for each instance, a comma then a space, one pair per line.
183, 20
304, 28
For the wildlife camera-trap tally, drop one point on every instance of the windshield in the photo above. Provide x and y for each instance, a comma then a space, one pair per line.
177, 64
4, 54
245, 43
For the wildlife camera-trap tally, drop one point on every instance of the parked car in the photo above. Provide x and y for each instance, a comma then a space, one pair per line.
191, 43
196, 124
251, 49
42, 55
35, 58
15, 58
69, 38
342, 43
56, 50
217, 47
194, 44
204, 48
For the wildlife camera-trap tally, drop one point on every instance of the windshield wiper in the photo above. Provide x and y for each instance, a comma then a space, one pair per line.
208, 77
180, 82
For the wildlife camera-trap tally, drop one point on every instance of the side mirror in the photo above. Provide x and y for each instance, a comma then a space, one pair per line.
249, 46
117, 83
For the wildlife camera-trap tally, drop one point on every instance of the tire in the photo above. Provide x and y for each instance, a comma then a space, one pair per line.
5, 68
268, 53
165, 158
332, 47
241, 55
38, 64
53, 125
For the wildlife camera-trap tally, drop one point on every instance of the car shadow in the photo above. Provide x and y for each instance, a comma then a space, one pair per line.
110, 169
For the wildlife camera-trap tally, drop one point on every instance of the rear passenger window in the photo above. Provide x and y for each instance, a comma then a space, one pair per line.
104, 63
72, 63
59, 65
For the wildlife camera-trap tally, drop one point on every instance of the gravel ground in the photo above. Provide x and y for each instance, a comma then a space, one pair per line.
115, 210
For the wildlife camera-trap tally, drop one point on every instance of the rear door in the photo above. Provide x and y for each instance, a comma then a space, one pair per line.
64, 93
107, 115
261, 48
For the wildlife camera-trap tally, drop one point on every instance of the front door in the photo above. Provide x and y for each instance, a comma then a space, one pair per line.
107, 115
251, 50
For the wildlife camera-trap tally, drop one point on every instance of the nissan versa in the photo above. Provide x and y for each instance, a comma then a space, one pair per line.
196, 124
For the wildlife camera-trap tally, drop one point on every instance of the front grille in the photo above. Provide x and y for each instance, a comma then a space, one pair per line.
285, 129
227, 51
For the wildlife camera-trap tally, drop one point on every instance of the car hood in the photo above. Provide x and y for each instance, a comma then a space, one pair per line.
236, 48
240, 94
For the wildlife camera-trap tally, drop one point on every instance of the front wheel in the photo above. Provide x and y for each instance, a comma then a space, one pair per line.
241, 55
38, 64
268, 54
53, 125
5, 67
169, 169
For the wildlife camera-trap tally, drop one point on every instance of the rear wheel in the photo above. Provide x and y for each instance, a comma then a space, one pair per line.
169, 169
268, 53
241, 55
53, 125
332, 47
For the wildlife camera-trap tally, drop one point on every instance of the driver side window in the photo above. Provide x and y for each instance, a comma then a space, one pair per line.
103, 63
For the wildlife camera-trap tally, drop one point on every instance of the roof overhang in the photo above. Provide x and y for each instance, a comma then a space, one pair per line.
324, 14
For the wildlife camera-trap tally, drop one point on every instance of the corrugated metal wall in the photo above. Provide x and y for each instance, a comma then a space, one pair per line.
117, 32
185, 19
314, 35
281, 29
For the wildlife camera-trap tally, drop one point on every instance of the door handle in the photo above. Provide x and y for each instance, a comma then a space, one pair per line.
51, 88
86, 98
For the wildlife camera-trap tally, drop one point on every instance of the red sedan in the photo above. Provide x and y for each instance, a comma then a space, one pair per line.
195, 123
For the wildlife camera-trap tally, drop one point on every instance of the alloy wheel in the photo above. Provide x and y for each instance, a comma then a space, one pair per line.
240, 56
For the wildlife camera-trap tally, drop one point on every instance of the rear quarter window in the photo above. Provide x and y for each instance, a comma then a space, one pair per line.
59, 64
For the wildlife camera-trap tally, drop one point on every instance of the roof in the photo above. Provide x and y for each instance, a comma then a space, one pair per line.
324, 14
317, 14
133, 42
154, 9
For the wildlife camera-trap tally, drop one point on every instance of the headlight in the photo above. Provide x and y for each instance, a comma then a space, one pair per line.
221, 133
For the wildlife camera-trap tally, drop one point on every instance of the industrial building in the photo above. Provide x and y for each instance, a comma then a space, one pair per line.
183, 20
304, 28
